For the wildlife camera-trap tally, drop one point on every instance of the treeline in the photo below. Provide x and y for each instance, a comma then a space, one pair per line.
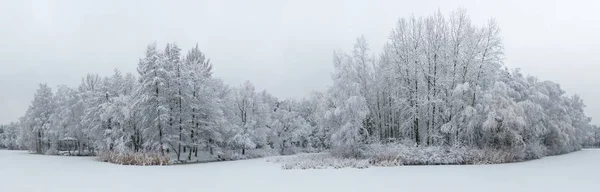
439, 82
173, 106
8, 136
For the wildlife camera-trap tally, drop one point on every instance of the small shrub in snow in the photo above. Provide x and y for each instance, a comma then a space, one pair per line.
349, 151
535, 151
228, 156
231, 155
318, 161
51, 151
259, 153
133, 158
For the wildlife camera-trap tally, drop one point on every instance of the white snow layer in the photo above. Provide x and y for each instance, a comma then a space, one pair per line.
21, 171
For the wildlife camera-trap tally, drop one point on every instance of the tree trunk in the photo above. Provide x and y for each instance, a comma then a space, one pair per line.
38, 145
180, 114
210, 147
160, 142
160, 133
416, 108
180, 140
282, 147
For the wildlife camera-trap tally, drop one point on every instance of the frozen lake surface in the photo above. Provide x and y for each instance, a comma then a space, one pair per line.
24, 172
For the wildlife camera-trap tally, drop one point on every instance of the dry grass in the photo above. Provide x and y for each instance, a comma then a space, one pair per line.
317, 161
141, 159
399, 155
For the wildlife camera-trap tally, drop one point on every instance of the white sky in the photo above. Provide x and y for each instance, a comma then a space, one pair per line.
283, 46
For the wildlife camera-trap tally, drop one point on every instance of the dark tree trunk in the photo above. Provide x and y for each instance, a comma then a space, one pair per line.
190, 154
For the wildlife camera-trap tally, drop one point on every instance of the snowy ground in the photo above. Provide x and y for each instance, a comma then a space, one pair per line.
20, 171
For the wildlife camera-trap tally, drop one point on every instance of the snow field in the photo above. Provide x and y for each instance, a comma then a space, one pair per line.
21, 171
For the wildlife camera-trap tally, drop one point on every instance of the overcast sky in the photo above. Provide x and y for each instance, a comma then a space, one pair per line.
283, 46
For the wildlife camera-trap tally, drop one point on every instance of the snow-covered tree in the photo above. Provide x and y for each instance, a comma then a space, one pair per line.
8, 136
289, 128
246, 109
152, 98
37, 122
439, 81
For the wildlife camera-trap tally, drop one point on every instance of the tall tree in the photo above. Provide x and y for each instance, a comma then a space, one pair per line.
152, 98
37, 121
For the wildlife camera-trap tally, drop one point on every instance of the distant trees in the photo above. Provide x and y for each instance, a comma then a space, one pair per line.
438, 82
8, 136
173, 108
592, 136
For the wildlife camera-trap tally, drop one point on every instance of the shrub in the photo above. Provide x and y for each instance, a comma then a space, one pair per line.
259, 153
349, 151
134, 158
51, 151
318, 161
232, 155
395, 154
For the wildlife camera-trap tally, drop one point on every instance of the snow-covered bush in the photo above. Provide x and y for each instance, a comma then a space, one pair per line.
318, 161
395, 154
142, 159
383, 155
231, 155
534, 151
51, 151
349, 141
8, 136
259, 153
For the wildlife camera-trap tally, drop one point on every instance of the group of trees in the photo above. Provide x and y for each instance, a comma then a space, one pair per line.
8, 136
173, 106
439, 81
592, 137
